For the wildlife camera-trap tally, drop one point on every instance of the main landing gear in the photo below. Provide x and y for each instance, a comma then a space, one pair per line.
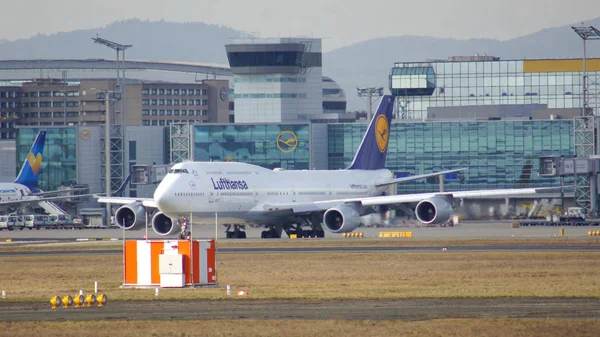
238, 232
274, 232
314, 229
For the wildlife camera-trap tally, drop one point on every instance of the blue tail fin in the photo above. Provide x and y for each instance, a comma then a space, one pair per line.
373, 148
121, 188
33, 162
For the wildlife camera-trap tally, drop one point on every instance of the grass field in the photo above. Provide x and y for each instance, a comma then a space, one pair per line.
441, 327
326, 275
330, 275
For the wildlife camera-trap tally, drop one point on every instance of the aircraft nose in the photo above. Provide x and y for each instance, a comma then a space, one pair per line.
162, 199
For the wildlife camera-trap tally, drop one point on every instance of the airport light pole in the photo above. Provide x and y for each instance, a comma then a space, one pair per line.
120, 48
106, 95
115, 144
586, 33
371, 94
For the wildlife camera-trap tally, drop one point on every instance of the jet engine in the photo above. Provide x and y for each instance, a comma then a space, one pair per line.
163, 225
434, 210
341, 219
131, 216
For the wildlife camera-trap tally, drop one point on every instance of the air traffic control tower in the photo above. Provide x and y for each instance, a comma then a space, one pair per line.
276, 80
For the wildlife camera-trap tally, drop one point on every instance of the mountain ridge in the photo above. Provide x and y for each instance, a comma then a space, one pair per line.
366, 63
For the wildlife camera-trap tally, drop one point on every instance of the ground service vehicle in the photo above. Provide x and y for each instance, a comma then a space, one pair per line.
16, 222
3, 222
36, 221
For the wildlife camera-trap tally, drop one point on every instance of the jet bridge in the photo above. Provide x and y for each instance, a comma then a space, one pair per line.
148, 174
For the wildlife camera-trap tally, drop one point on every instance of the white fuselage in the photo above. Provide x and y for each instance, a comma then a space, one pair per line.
239, 192
13, 192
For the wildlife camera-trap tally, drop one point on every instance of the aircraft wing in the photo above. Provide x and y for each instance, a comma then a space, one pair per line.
417, 177
68, 190
319, 206
147, 202
413, 198
35, 199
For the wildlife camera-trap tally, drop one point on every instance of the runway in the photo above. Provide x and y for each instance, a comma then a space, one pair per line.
467, 230
445, 236
383, 309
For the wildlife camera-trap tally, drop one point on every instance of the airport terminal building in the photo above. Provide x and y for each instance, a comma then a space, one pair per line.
486, 86
497, 122
499, 153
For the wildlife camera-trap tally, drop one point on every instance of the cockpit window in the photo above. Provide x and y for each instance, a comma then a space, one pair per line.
178, 171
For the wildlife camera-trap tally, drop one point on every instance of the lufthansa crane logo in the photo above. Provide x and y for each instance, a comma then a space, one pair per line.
382, 132
85, 134
287, 141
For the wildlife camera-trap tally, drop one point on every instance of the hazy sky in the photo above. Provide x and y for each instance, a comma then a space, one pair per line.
338, 22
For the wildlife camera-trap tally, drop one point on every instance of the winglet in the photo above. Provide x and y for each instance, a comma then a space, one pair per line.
372, 150
31, 167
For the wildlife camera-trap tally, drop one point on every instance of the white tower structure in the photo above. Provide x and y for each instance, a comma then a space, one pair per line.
276, 80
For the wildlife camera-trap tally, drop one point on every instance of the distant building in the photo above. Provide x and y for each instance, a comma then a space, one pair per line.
44, 102
32, 92
468, 86
276, 80
334, 97
204, 102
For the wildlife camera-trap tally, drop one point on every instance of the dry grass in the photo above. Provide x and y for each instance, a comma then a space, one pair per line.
215, 328
326, 275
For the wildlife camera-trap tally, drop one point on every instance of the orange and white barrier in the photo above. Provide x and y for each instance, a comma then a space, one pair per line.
141, 261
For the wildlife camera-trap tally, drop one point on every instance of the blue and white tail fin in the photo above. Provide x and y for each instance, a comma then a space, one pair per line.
119, 191
33, 162
372, 151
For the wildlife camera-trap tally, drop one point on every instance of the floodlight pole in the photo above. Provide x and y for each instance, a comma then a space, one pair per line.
586, 33
107, 148
120, 74
586, 132
106, 95
119, 121
372, 94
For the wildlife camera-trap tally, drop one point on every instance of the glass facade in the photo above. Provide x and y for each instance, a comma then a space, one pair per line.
274, 59
499, 154
267, 145
555, 83
412, 80
59, 162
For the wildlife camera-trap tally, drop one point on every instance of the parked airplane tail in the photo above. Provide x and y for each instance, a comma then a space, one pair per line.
121, 188
31, 167
372, 150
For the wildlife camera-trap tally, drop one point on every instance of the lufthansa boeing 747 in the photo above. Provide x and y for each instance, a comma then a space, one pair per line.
283, 200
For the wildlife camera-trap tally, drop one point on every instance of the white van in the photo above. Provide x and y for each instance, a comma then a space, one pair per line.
36, 221
59, 220
15, 222
3, 222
